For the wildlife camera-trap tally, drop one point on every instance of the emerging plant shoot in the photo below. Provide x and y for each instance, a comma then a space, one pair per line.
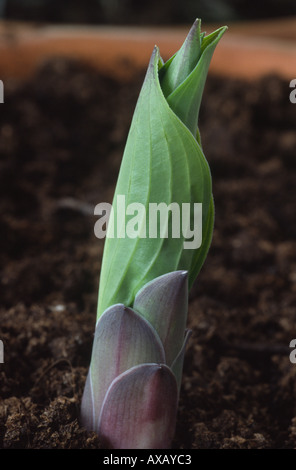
132, 388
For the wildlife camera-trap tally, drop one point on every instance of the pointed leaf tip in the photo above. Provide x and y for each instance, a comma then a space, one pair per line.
164, 303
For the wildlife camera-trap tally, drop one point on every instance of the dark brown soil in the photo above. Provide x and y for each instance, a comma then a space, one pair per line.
61, 140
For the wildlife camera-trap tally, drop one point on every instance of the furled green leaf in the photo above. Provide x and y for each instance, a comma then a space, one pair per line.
163, 162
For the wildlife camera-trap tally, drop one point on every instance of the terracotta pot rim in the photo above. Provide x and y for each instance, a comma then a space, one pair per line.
244, 52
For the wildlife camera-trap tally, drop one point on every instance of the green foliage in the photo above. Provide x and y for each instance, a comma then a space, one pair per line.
163, 162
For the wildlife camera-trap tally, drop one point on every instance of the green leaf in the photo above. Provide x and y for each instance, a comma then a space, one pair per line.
162, 163
180, 66
185, 97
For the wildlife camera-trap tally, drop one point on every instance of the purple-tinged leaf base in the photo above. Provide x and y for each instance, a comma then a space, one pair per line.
139, 411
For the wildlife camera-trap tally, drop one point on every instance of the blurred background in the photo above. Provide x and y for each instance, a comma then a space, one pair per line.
145, 12
261, 37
